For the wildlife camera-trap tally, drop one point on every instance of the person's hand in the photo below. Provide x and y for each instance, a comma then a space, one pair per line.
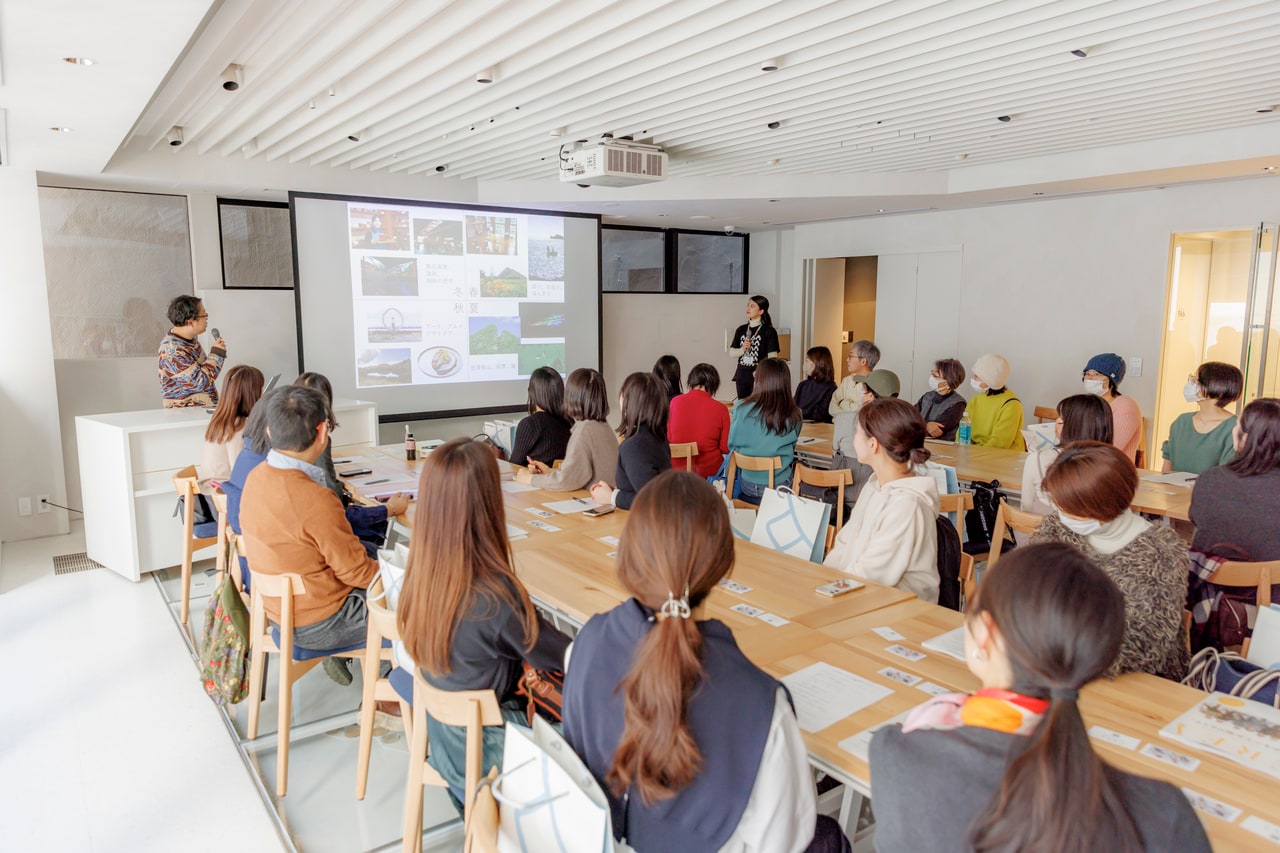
933, 428
397, 504
602, 493
524, 475
537, 467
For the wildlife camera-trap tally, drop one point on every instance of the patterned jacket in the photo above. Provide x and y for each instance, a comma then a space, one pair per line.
187, 377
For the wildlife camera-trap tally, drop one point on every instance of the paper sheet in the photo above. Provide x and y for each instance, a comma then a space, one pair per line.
512, 487
571, 505
1264, 648
1247, 732
825, 694
950, 643
858, 745
1173, 478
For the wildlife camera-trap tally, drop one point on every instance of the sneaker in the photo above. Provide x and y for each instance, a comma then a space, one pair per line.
339, 669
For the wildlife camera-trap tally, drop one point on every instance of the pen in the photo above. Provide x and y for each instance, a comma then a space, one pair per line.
375, 482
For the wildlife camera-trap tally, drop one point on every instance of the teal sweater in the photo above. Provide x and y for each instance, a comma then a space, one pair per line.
749, 435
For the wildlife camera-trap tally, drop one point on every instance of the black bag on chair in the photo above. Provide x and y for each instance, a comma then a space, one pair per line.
948, 564
202, 513
980, 522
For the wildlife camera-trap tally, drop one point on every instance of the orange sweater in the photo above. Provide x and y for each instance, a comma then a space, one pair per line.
291, 524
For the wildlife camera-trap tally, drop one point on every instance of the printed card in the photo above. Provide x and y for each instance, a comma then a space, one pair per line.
1258, 826
835, 588
734, 586
900, 676
613, 555
932, 689
746, 610
539, 511
609, 540
1208, 805
772, 619
904, 652
1114, 738
542, 525
889, 634
1168, 756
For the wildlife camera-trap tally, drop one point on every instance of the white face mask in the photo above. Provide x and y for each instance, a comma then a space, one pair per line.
1191, 392
934, 383
1085, 527
1093, 386
977, 386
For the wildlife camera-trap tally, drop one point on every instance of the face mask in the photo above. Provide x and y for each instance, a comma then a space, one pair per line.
1191, 392
934, 383
977, 386
1085, 527
1093, 386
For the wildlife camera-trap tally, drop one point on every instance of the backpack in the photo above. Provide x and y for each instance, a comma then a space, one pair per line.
224, 646
949, 552
980, 522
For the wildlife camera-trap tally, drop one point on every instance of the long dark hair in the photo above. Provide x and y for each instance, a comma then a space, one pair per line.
546, 392
240, 391
644, 403
771, 395
1062, 621
1260, 423
677, 539
763, 302
1086, 417
667, 369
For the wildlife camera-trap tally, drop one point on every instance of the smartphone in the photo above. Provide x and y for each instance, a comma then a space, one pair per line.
356, 473
596, 512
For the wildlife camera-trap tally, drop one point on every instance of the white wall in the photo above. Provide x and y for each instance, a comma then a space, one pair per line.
1050, 283
30, 444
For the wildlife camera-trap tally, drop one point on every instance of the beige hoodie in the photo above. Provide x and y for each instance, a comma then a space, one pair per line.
892, 537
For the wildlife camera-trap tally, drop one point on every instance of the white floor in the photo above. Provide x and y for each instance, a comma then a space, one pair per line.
112, 745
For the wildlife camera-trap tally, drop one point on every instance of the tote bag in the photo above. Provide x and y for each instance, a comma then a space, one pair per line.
791, 524
550, 802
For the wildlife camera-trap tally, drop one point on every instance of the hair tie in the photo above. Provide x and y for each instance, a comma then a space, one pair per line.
1068, 693
676, 608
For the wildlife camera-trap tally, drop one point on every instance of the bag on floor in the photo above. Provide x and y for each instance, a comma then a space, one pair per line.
1226, 672
543, 690
549, 800
224, 645
791, 524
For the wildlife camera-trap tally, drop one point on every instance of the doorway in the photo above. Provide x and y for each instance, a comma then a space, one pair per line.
845, 305
1223, 305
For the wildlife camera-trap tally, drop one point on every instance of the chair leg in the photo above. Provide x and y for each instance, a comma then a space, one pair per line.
413, 786
186, 582
257, 670
284, 711
372, 657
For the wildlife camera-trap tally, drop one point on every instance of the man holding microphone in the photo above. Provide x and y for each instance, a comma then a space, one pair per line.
187, 377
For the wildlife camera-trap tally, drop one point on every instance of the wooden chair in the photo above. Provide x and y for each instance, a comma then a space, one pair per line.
749, 463
1008, 518
1140, 458
1044, 413
956, 505
471, 709
685, 450
837, 480
1260, 576
482, 832
382, 626
294, 662
968, 579
187, 484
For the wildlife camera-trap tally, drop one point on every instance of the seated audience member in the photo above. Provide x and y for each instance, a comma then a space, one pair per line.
995, 412
1092, 484
464, 616
1011, 767
254, 452
862, 359
1102, 376
698, 417
224, 439
1236, 507
667, 369
942, 406
368, 523
695, 747
813, 395
544, 434
644, 452
1201, 439
1081, 417
766, 424
592, 453
876, 385
293, 522
892, 536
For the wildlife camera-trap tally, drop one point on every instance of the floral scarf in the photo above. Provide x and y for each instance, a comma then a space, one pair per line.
988, 708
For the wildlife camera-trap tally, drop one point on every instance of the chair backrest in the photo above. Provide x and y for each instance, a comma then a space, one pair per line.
685, 450
956, 506
1140, 459
968, 579
226, 537
1008, 518
1257, 575
284, 587
1045, 413
836, 479
381, 619
471, 709
750, 463
187, 484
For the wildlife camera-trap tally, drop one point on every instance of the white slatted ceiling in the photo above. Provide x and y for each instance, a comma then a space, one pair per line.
895, 85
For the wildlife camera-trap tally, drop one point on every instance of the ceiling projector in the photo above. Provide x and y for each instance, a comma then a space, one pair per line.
613, 163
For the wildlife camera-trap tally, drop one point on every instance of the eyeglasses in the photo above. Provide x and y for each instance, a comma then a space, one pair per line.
202, 316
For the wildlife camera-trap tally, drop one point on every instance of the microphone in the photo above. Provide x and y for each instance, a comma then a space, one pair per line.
214, 332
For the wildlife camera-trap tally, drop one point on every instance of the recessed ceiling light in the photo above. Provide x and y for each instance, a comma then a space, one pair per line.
773, 201
1265, 110
774, 162
774, 125
1037, 193
485, 76
962, 156
699, 216
1264, 168
880, 210
1004, 118
662, 214
770, 65
556, 131
1080, 53
79, 60
61, 129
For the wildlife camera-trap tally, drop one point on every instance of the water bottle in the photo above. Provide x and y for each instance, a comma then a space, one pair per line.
964, 434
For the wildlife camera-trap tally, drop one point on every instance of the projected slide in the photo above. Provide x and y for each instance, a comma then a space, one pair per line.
447, 295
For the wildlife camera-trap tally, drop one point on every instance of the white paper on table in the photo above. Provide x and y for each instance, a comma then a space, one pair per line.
858, 745
825, 694
514, 486
572, 505
514, 532
1240, 729
950, 643
1173, 478
1264, 648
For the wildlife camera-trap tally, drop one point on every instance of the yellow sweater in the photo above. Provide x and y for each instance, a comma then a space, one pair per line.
997, 420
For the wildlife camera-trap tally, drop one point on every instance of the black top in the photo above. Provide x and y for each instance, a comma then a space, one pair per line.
929, 785
541, 436
762, 341
641, 457
489, 648
1235, 516
946, 410
814, 399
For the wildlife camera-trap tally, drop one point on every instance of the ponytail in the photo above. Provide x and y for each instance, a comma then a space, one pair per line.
919, 456
657, 753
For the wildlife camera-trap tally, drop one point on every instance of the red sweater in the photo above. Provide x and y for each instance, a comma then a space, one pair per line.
698, 417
